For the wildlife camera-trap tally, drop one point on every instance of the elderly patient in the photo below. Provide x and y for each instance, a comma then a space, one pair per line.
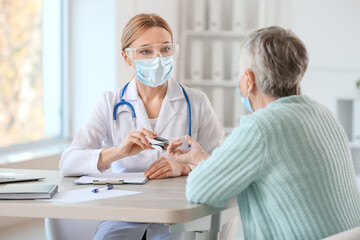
289, 162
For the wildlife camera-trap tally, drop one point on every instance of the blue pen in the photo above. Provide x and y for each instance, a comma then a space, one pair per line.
108, 187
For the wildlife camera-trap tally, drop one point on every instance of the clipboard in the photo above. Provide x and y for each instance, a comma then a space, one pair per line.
112, 178
107, 182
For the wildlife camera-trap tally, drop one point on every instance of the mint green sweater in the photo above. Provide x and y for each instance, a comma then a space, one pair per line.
291, 169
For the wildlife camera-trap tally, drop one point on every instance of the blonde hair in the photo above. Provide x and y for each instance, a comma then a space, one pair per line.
139, 24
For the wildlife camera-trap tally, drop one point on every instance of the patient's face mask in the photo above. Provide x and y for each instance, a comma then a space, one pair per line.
245, 100
154, 63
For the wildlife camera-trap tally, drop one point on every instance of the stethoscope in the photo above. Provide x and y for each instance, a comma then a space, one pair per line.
123, 102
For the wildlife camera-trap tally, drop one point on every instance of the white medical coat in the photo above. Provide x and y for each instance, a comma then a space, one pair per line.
82, 155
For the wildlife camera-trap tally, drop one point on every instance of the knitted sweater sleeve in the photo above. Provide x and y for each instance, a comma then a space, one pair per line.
231, 168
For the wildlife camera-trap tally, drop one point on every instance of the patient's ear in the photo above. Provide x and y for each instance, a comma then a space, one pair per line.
250, 80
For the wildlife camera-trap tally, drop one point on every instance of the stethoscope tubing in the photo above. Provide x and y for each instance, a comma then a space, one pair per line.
133, 114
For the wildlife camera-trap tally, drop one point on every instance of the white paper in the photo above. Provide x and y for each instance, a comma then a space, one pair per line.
132, 178
86, 194
217, 73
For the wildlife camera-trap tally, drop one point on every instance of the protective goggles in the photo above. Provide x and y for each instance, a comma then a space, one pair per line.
153, 51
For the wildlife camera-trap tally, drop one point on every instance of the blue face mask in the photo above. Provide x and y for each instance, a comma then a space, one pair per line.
154, 72
245, 100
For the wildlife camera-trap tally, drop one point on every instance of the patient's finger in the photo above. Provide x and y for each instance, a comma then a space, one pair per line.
174, 145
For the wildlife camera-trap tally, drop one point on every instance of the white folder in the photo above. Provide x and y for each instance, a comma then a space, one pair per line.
215, 7
218, 102
196, 60
235, 55
199, 14
239, 15
217, 63
268, 13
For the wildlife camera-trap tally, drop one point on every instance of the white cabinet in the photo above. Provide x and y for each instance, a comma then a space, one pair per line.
211, 33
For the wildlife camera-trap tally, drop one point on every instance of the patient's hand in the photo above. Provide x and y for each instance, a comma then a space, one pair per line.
192, 156
164, 168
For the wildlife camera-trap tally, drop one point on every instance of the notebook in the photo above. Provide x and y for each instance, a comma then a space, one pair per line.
9, 177
113, 178
28, 191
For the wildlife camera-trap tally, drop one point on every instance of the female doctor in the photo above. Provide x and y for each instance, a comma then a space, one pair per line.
151, 104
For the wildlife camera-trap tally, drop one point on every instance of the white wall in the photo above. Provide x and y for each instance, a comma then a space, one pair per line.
92, 53
330, 30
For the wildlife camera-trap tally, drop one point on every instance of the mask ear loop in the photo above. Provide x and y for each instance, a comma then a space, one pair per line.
249, 89
242, 76
248, 97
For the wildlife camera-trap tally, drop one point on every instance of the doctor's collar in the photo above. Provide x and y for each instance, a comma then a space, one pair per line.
174, 91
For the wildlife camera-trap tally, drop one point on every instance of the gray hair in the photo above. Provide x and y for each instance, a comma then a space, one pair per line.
278, 59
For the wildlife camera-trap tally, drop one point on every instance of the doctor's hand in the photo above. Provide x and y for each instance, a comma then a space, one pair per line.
136, 142
164, 168
192, 156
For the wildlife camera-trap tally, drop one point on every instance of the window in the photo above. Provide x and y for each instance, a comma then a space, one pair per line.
30, 71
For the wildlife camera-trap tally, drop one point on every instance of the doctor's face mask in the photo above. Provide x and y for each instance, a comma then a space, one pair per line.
154, 72
154, 63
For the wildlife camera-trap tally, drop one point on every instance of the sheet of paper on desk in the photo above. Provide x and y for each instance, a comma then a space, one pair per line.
132, 178
86, 194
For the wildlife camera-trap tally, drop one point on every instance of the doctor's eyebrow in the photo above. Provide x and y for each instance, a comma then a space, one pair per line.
144, 45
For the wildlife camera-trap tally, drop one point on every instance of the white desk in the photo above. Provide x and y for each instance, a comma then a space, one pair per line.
161, 201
